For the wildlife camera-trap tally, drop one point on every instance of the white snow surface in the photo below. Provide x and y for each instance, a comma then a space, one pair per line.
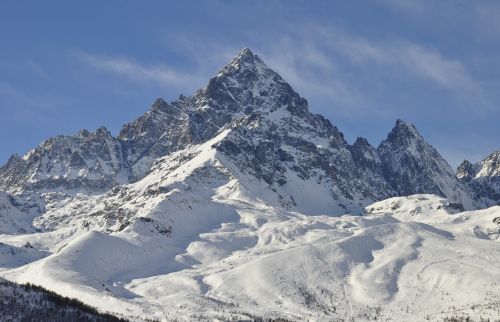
197, 239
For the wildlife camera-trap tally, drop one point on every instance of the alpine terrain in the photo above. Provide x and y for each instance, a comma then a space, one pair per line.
238, 203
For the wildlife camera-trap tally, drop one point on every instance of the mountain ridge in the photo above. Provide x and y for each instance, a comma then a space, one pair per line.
482, 177
244, 89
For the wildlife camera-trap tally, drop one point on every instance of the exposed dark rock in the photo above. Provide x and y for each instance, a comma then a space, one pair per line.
482, 178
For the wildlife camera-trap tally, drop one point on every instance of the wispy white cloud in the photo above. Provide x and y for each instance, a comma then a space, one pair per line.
488, 17
329, 65
472, 146
404, 57
431, 64
310, 70
24, 66
409, 5
479, 17
322, 63
30, 108
158, 73
207, 54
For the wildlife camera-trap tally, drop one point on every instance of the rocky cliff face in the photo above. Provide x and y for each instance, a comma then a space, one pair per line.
411, 165
245, 86
88, 161
482, 178
272, 136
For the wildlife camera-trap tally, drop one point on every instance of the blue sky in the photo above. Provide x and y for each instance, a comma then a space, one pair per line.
363, 64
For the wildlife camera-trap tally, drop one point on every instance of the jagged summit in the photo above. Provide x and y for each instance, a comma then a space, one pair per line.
245, 58
159, 103
413, 166
403, 132
361, 142
246, 53
245, 62
247, 84
466, 171
482, 178
402, 125
488, 167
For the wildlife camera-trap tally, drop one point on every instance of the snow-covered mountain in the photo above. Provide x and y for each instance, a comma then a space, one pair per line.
86, 161
482, 178
238, 202
411, 165
271, 135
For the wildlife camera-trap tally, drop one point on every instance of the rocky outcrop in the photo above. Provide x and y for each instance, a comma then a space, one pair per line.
412, 166
482, 178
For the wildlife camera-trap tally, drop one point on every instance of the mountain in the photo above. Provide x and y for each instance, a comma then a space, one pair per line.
272, 136
86, 161
239, 203
413, 166
483, 178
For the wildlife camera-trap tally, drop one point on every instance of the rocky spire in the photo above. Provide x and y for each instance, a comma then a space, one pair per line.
482, 178
247, 84
465, 171
403, 132
413, 166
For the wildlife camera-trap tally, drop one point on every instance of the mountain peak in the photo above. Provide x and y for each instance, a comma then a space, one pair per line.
248, 84
405, 126
103, 131
159, 102
413, 166
403, 131
361, 142
245, 61
490, 166
494, 156
483, 178
245, 53
465, 170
